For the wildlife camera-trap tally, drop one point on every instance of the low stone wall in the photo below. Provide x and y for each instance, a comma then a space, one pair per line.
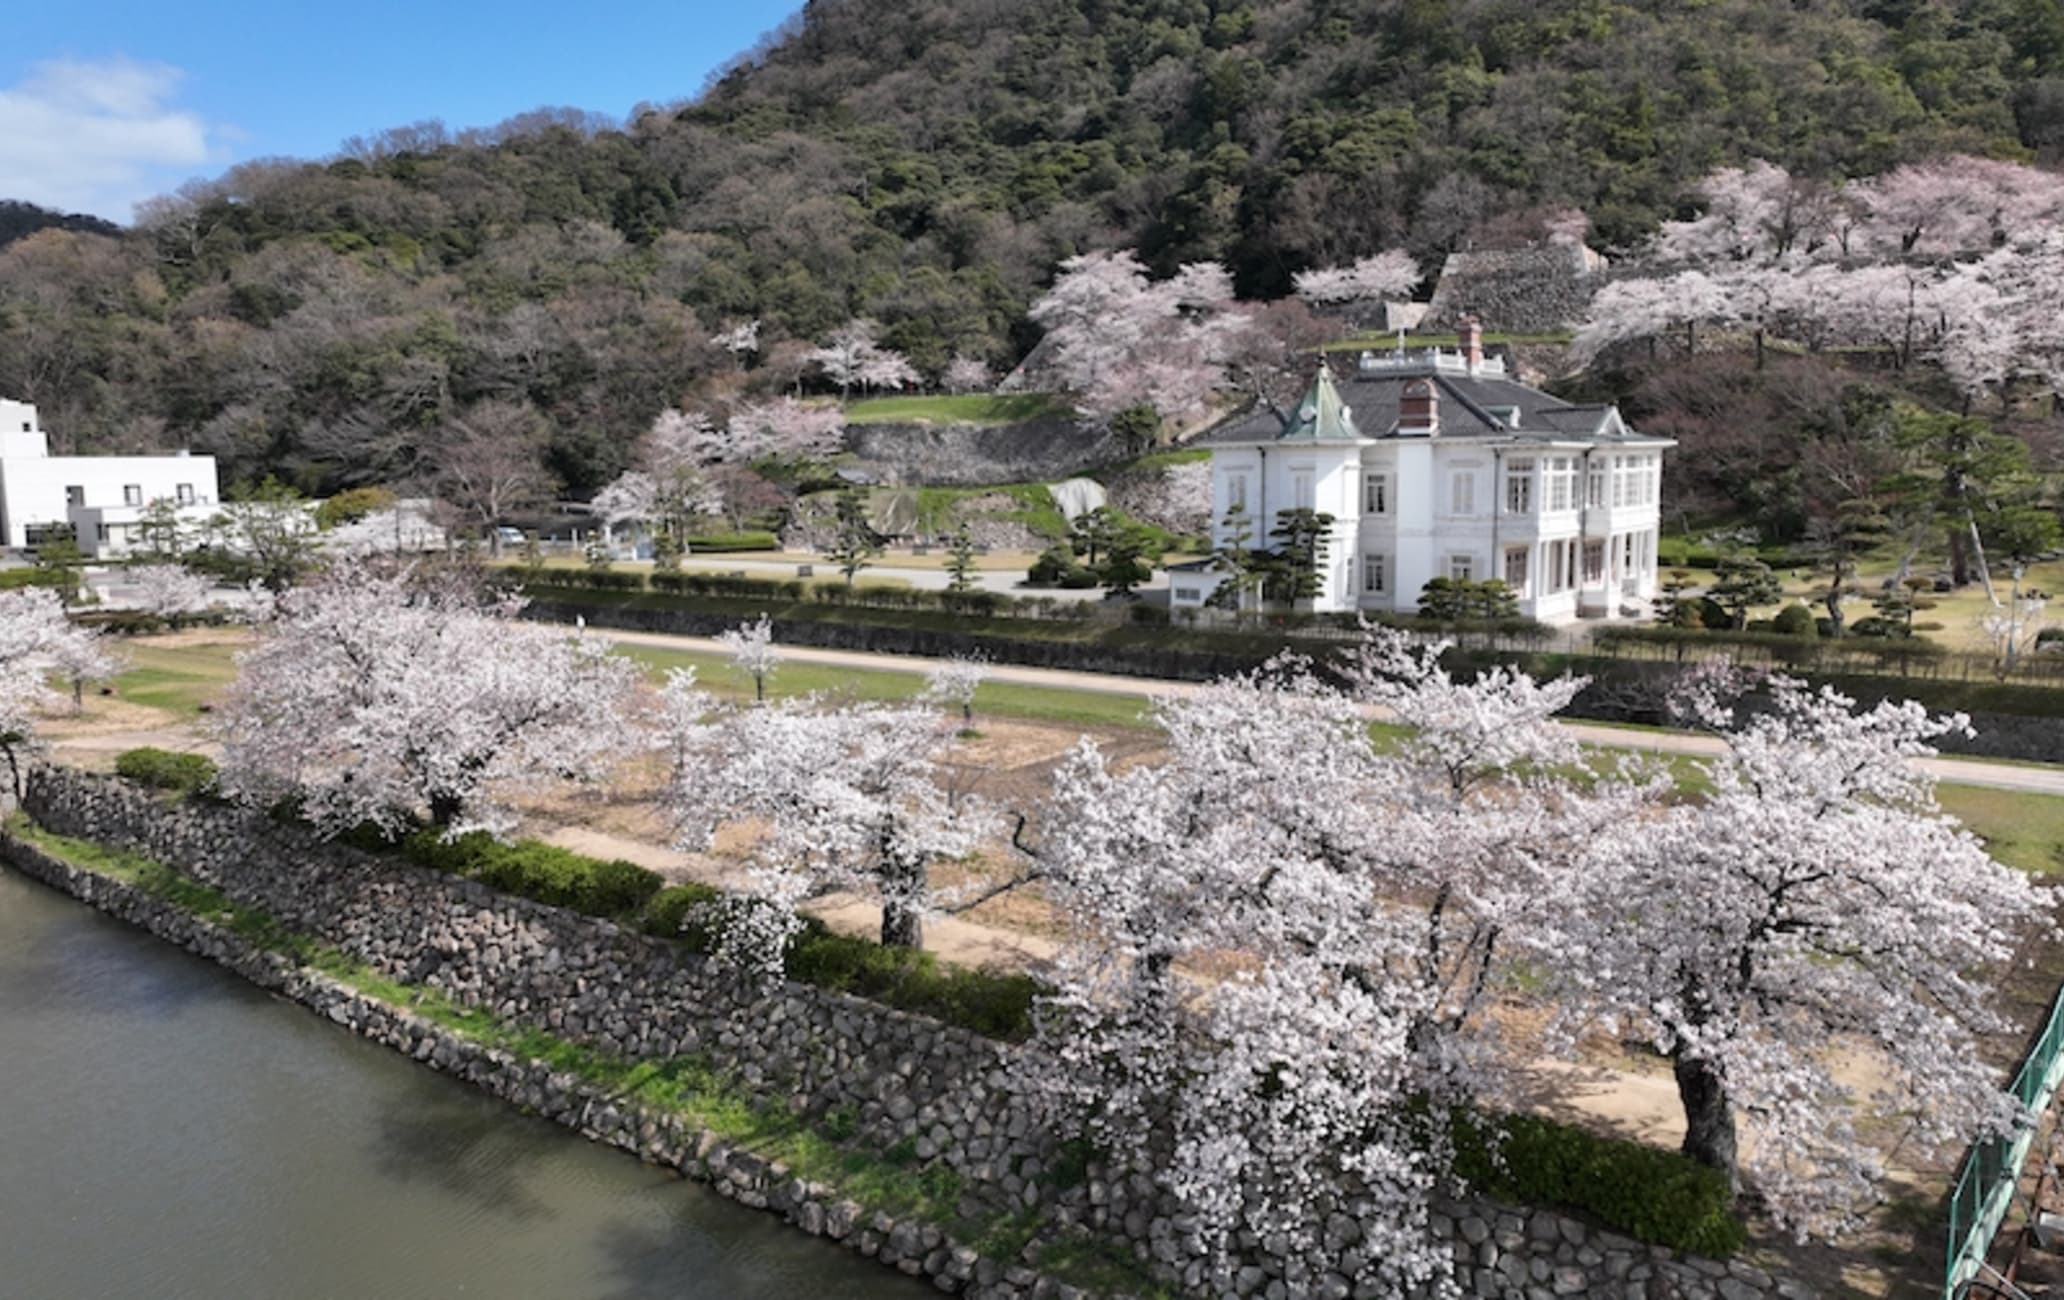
946, 1092
974, 455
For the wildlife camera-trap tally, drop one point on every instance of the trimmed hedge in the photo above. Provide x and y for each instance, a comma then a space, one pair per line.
1655, 1195
163, 769
542, 872
746, 541
991, 1003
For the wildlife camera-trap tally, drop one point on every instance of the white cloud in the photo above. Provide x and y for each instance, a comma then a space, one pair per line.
99, 135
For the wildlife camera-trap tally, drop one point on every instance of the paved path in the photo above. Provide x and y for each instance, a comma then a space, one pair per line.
2033, 778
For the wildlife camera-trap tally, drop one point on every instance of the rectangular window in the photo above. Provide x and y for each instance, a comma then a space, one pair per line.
1594, 561
132, 494
1188, 593
1375, 574
1516, 570
1594, 485
1562, 483
1463, 499
1519, 487
185, 494
1236, 492
1462, 568
1376, 494
75, 495
1301, 490
100, 532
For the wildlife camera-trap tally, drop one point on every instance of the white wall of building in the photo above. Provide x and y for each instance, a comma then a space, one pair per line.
1572, 526
38, 490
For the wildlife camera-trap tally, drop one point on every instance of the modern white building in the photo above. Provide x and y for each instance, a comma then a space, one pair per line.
103, 498
1436, 464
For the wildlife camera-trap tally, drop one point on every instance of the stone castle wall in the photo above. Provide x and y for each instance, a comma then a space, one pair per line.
947, 1093
1532, 290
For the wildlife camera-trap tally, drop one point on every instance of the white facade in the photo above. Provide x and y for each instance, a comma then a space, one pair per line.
1567, 516
103, 498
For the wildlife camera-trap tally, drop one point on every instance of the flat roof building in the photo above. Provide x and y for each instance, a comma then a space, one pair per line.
102, 498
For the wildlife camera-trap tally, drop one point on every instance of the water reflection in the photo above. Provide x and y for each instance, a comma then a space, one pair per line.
168, 1131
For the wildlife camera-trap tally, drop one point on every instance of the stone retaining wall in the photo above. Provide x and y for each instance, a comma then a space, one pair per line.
947, 1093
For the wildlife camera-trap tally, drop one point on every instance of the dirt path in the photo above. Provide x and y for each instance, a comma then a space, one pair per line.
2032, 779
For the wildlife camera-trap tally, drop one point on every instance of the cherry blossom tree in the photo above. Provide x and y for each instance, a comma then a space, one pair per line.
1287, 936
376, 694
853, 357
966, 374
753, 653
169, 590
741, 340
954, 683
1817, 905
1386, 276
1176, 497
38, 641
786, 428
1119, 340
851, 799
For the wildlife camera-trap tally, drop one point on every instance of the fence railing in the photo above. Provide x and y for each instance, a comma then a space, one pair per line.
1985, 1185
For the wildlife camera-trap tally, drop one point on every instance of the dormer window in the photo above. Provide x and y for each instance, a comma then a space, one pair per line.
1505, 415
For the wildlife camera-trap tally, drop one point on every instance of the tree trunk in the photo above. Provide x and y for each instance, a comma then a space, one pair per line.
902, 883
1984, 571
444, 809
1709, 1135
1834, 611
901, 927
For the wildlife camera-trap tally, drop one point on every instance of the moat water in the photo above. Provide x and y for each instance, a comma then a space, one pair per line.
167, 1130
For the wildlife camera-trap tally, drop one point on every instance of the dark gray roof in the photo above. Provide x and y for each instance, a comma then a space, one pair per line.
1471, 406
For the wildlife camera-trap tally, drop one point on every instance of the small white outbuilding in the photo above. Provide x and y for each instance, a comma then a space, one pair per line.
102, 498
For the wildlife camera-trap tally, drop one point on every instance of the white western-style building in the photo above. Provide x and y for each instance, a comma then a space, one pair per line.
102, 498
1436, 464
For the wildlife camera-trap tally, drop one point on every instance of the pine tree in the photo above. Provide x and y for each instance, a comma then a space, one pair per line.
960, 562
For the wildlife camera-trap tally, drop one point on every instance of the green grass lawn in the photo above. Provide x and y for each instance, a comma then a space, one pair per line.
996, 699
178, 677
2020, 829
939, 408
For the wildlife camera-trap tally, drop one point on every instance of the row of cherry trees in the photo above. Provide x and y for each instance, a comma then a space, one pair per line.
1959, 261
1289, 940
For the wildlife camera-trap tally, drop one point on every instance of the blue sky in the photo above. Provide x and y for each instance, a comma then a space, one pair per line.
103, 104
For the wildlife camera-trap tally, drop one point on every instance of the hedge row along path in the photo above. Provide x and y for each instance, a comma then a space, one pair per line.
2032, 778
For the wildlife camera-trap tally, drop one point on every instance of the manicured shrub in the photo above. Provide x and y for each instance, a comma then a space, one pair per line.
990, 1003
1655, 1195
162, 769
668, 913
544, 873
1795, 620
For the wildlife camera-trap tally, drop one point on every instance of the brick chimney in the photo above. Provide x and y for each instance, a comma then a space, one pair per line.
1418, 410
1472, 343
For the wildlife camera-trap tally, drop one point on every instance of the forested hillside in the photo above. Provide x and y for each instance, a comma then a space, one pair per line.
18, 220
926, 163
